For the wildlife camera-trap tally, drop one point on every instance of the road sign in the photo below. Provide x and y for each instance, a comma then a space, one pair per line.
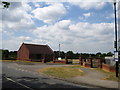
116, 55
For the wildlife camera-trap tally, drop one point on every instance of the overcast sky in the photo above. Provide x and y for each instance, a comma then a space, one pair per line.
77, 26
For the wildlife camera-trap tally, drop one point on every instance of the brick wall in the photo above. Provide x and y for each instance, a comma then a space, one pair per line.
63, 62
108, 68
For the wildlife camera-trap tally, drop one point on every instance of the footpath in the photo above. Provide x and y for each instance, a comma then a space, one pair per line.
95, 78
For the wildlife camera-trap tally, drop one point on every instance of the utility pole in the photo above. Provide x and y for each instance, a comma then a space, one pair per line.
115, 43
59, 58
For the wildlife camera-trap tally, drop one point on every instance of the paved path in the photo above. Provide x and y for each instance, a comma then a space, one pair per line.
93, 74
93, 77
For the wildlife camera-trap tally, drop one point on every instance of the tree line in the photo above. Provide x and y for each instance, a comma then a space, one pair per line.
71, 55
12, 55
8, 55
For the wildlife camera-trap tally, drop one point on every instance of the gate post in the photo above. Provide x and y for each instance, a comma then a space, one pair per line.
80, 60
99, 62
66, 61
90, 62
53, 58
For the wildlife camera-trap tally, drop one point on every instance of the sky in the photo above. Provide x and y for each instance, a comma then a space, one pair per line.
84, 27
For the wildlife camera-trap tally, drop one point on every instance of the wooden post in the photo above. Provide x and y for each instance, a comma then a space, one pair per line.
90, 64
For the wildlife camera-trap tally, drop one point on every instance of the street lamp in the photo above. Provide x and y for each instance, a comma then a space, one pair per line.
115, 43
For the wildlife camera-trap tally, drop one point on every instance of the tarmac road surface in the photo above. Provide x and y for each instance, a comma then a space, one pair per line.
16, 76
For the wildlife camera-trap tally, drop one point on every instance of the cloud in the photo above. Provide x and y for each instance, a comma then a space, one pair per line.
51, 13
87, 14
109, 16
118, 13
79, 37
14, 42
89, 5
16, 20
16, 17
24, 38
36, 5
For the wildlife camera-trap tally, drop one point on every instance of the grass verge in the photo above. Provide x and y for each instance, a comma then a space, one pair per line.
62, 72
20, 61
74, 66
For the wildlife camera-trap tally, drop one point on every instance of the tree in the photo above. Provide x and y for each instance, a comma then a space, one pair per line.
109, 54
5, 54
6, 4
62, 54
70, 54
99, 53
12, 55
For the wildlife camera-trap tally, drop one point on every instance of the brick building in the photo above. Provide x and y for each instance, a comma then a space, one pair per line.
33, 52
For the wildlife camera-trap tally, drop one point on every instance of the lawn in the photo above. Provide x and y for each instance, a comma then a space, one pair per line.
74, 66
62, 72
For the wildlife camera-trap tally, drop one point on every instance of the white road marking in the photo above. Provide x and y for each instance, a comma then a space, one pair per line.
19, 83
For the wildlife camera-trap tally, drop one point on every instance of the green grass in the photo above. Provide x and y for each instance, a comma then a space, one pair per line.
75, 66
8, 60
62, 72
19, 61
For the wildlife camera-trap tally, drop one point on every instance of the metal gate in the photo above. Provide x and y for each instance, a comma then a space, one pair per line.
95, 63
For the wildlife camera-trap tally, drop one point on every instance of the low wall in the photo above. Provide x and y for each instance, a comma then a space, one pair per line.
87, 64
75, 61
58, 61
108, 68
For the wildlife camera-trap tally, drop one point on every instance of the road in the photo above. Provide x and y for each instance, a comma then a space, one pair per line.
24, 76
